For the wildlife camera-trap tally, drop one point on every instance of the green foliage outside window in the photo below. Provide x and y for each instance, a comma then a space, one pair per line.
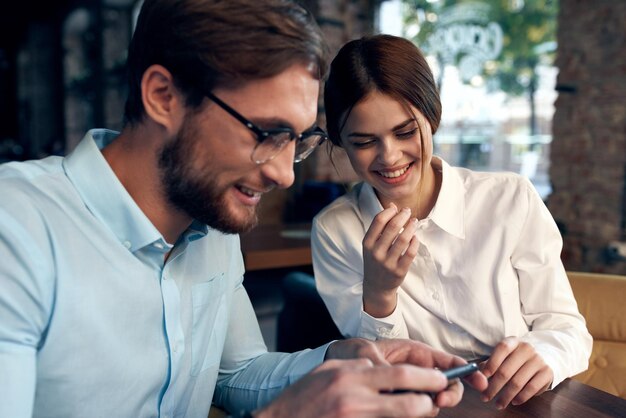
528, 38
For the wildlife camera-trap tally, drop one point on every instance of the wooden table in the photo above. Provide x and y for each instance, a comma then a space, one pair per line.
570, 399
276, 246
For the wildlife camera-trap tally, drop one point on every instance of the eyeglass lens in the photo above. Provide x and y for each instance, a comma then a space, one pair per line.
272, 145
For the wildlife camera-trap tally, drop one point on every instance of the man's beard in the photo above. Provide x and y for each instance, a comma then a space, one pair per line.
197, 195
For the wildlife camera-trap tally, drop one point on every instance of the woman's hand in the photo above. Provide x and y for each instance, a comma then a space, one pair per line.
516, 373
389, 247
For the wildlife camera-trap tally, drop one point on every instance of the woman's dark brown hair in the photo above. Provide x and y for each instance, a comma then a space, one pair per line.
387, 64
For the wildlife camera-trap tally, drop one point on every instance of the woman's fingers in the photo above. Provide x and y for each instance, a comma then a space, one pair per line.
378, 225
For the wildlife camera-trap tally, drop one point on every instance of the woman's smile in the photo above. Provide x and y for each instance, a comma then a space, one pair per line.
395, 174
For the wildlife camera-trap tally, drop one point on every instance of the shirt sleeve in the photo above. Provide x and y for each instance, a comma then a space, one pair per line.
557, 329
25, 300
249, 376
338, 267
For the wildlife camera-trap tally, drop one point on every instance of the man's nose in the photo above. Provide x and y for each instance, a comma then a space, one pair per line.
279, 169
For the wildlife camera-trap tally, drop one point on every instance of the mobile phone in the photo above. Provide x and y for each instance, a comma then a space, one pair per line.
460, 371
451, 374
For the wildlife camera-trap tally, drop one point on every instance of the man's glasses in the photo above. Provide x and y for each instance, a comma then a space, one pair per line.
271, 142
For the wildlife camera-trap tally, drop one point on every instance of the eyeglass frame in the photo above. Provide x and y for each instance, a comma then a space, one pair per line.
264, 134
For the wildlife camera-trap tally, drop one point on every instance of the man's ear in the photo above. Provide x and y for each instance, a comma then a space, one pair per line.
162, 101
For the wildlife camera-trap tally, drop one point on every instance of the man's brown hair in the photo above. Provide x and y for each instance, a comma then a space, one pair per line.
205, 43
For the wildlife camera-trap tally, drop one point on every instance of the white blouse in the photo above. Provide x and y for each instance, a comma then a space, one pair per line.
488, 267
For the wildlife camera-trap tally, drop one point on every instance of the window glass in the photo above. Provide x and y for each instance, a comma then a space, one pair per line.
493, 63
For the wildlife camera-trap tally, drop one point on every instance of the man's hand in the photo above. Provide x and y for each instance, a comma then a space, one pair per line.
357, 388
353, 348
400, 351
516, 373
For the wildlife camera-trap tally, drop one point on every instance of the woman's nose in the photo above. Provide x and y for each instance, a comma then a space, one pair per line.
389, 153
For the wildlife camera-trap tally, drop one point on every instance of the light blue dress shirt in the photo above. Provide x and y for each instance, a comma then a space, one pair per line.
93, 323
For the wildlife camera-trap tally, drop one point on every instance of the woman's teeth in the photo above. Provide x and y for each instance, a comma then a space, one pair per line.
394, 174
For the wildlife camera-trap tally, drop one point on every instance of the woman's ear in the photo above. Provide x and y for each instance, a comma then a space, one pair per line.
162, 101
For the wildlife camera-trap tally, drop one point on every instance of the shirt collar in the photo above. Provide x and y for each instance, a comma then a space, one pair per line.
369, 205
196, 230
105, 196
448, 212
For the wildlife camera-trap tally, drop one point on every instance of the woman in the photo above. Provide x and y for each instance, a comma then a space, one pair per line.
465, 261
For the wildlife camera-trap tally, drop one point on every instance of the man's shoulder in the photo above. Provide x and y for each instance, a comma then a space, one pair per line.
31, 168
15, 176
33, 185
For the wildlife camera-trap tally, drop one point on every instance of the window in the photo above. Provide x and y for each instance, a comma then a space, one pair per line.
493, 63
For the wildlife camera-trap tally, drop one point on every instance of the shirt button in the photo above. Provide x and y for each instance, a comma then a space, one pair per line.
158, 245
382, 332
127, 244
436, 296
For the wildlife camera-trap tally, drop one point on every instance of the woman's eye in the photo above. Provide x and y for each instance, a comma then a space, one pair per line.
362, 144
407, 134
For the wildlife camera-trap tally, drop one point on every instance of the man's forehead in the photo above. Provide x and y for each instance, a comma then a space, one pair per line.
287, 97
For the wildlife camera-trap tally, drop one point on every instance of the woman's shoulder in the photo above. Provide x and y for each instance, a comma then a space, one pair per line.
499, 180
342, 210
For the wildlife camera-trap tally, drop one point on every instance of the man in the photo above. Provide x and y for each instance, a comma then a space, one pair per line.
121, 277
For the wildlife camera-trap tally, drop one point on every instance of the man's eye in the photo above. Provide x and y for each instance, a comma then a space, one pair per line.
407, 134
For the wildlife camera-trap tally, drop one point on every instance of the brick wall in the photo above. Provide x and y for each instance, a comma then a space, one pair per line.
588, 152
